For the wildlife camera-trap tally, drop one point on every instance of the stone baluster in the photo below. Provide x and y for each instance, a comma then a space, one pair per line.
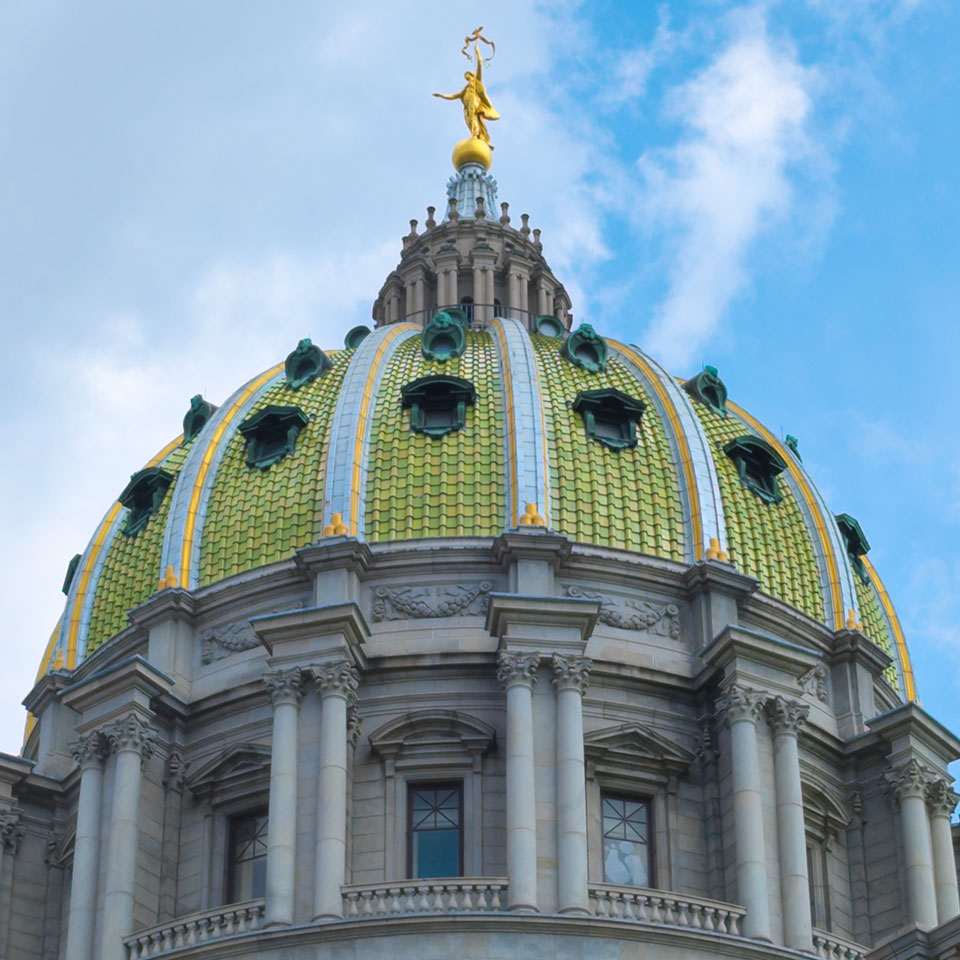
89, 753
131, 739
741, 708
517, 672
942, 801
570, 677
285, 690
909, 782
336, 684
786, 718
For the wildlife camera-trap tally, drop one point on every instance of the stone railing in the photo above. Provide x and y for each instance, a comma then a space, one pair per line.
640, 905
829, 947
463, 895
197, 928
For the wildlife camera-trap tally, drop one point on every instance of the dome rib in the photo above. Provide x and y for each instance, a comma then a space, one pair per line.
526, 433
699, 488
349, 448
902, 652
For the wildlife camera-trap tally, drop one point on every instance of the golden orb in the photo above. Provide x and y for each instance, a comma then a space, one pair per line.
472, 150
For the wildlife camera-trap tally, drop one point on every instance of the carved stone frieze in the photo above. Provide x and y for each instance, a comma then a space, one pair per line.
571, 673
941, 798
659, 620
132, 733
421, 603
225, 641
515, 668
284, 686
741, 703
786, 716
339, 679
814, 682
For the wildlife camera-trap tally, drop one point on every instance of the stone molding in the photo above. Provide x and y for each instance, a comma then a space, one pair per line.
657, 619
337, 679
571, 673
909, 779
786, 716
517, 668
741, 703
941, 798
284, 686
412, 603
11, 830
90, 750
131, 733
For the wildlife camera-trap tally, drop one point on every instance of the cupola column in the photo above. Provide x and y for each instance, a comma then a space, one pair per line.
741, 708
786, 718
570, 677
517, 672
942, 801
909, 782
131, 739
285, 690
336, 684
89, 753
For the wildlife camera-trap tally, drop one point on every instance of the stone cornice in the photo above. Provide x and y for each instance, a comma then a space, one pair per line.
173, 603
561, 624
533, 543
332, 631
335, 553
13, 771
737, 647
46, 690
910, 729
851, 646
710, 575
133, 682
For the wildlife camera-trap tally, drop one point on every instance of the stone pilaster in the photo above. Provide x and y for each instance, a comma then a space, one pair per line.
88, 753
570, 677
285, 688
741, 707
517, 672
131, 739
909, 782
336, 684
786, 718
941, 802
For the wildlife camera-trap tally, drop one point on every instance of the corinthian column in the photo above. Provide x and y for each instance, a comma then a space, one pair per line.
942, 801
786, 718
909, 782
741, 708
570, 676
337, 685
131, 739
88, 753
285, 690
517, 672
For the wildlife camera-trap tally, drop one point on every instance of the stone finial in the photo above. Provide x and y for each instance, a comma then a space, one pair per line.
452, 213
786, 716
715, 553
413, 229
481, 213
571, 673
131, 733
89, 750
336, 527
336, 679
909, 779
514, 668
430, 223
169, 579
741, 703
504, 216
941, 798
536, 239
11, 830
284, 686
531, 516
851, 623
525, 224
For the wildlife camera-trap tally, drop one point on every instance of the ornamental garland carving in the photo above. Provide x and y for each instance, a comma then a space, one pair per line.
662, 621
222, 642
416, 603
571, 673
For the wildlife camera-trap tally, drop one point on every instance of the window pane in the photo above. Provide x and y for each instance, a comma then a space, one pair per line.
247, 866
436, 853
626, 836
435, 824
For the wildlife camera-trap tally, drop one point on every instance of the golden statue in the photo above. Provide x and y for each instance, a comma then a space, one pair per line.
477, 108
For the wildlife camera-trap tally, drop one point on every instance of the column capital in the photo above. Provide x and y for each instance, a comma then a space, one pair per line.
571, 673
11, 830
941, 798
284, 686
90, 750
517, 668
741, 703
131, 733
909, 779
786, 716
337, 679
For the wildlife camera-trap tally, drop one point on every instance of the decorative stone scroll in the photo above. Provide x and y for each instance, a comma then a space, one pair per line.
416, 603
786, 716
571, 673
284, 686
741, 703
515, 668
814, 682
663, 621
132, 733
339, 679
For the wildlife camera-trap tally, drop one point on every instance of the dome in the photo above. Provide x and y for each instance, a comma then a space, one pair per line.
694, 477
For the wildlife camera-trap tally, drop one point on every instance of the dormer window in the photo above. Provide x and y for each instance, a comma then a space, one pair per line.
272, 434
708, 388
759, 466
142, 496
306, 363
443, 337
549, 326
438, 405
585, 349
356, 336
610, 417
856, 543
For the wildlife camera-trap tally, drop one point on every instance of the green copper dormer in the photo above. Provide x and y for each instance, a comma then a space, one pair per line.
306, 363
856, 543
443, 338
610, 417
438, 405
272, 434
709, 389
142, 496
585, 349
196, 417
759, 466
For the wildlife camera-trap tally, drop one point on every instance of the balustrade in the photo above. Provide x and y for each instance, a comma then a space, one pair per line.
641, 905
236, 918
463, 895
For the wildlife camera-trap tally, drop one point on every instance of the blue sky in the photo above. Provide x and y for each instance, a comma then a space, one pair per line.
187, 189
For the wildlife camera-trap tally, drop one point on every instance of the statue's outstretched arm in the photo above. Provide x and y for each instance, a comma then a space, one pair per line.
450, 96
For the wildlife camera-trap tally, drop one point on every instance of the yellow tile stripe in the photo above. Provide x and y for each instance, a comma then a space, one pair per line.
44, 666
189, 529
833, 570
686, 460
906, 667
363, 416
76, 614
